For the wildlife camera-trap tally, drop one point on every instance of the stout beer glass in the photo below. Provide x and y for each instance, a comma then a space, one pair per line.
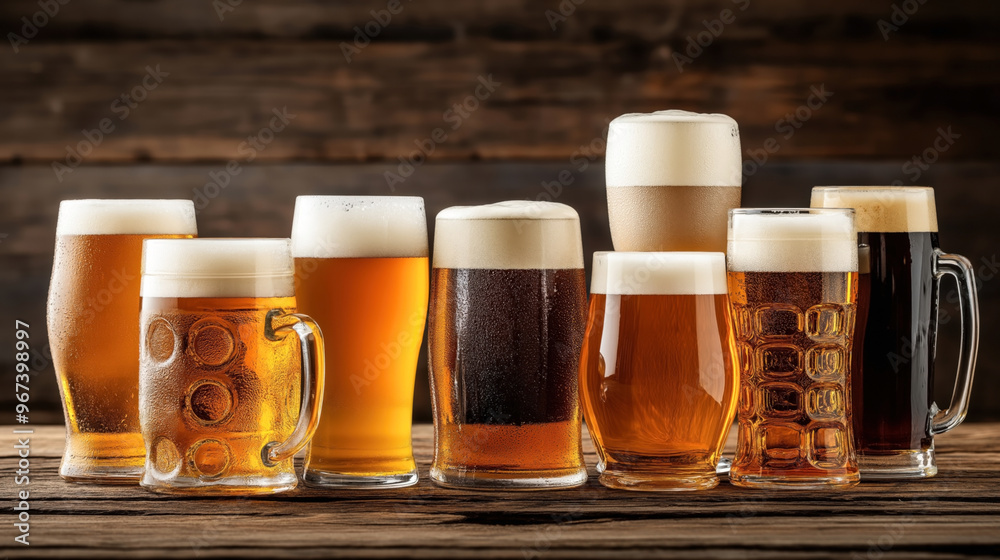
793, 285
93, 323
507, 316
223, 363
361, 271
671, 178
895, 418
658, 373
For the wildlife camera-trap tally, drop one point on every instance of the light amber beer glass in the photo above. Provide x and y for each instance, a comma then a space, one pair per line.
93, 325
793, 285
507, 316
226, 366
671, 178
361, 270
895, 417
658, 373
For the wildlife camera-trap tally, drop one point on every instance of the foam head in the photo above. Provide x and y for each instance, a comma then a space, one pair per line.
219, 268
673, 148
517, 234
119, 217
330, 227
792, 240
883, 209
677, 273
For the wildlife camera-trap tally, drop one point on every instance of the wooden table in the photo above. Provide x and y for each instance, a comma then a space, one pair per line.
954, 515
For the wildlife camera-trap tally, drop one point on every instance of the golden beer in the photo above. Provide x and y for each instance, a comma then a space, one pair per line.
93, 322
361, 270
793, 286
658, 376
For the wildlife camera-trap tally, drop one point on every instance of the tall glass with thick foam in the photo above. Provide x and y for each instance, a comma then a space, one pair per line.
793, 286
658, 373
361, 271
226, 365
93, 324
895, 417
507, 316
671, 178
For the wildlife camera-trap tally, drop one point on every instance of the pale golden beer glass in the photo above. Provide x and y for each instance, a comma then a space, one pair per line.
671, 178
793, 286
226, 366
658, 373
361, 271
507, 316
93, 325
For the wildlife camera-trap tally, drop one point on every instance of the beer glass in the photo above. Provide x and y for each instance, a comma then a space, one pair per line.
658, 373
671, 178
93, 325
793, 286
507, 316
225, 362
361, 270
895, 418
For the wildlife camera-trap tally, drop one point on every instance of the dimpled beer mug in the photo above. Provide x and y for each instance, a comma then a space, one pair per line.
93, 321
658, 372
793, 286
895, 417
223, 356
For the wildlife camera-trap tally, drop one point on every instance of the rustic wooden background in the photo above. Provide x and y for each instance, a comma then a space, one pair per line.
561, 69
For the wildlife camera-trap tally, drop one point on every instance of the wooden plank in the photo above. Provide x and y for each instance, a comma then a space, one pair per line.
954, 515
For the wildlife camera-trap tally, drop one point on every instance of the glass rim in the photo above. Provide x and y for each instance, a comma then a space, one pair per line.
873, 188
789, 211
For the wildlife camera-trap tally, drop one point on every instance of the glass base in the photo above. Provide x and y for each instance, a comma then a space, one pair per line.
103, 458
649, 482
320, 479
93, 472
509, 480
898, 465
229, 486
787, 482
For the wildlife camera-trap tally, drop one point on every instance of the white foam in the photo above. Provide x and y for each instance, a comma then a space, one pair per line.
792, 242
120, 217
516, 234
673, 148
329, 227
883, 209
186, 268
675, 273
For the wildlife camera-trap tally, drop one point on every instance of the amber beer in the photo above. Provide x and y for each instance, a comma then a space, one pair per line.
658, 373
221, 380
895, 417
361, 270
793, 276
671, 178
508, 311
93, 325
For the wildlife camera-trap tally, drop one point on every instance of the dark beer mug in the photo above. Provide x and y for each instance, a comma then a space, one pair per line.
895, 417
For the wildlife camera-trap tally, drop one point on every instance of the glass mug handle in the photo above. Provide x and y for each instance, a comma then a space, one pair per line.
959, 267
313, 373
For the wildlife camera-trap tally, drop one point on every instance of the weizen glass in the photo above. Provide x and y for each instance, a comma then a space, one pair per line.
793, 286
507, 316
361, 270
226, 366
895, 417
93, 324
658, 373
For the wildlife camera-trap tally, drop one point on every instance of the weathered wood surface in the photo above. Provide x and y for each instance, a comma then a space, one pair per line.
557, 87
954, 515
